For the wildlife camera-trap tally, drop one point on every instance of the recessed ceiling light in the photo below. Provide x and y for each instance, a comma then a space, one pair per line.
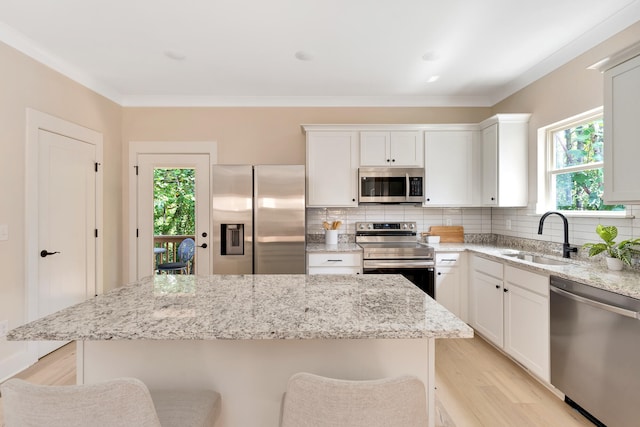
176, 56
303, 56
432, 79
430, 56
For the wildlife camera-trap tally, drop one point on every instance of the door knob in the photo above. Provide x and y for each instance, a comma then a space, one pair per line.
44, 253
203, 246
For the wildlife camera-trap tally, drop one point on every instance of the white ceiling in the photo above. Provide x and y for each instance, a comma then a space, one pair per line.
355, 52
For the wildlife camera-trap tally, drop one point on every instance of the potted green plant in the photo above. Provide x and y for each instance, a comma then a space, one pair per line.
618, 254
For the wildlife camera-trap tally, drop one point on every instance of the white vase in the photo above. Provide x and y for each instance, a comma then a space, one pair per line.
615, 264
331, 237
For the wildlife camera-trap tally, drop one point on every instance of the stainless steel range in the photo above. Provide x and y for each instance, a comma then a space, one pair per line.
393, 248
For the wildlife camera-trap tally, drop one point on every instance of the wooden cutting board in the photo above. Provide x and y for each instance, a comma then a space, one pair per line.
448, 234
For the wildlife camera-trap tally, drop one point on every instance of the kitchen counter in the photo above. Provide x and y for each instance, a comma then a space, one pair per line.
244, 336
340, 247
626, 282
250, 307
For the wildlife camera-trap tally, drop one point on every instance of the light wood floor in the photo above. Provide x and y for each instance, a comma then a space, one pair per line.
476, 386
57, 368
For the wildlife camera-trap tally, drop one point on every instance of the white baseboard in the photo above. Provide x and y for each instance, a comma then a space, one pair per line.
15, 363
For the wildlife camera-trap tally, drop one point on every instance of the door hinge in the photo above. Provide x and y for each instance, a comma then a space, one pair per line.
136, 168
97, 164
96, 233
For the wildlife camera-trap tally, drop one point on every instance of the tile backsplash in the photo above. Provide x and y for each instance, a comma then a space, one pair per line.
474, 220
512, 222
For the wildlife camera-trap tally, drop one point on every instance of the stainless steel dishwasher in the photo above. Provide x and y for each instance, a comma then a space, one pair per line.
595, 351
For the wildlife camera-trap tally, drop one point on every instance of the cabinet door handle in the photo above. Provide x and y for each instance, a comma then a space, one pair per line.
505, 290
497, 286
439, 274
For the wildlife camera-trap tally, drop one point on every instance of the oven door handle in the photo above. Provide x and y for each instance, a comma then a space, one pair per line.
398, 264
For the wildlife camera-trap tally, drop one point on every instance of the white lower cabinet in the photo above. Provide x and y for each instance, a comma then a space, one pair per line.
487, 313
450, 267
334, 263
526, 316
510, 308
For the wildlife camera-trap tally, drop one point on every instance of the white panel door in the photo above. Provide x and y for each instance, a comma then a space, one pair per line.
66, 223
145, 257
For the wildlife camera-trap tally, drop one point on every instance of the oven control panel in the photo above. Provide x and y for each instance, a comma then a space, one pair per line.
389, 227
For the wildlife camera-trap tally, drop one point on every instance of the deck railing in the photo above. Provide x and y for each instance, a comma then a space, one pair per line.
170, 245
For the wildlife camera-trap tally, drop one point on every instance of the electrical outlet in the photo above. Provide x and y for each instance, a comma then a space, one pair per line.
4, 328
508, 224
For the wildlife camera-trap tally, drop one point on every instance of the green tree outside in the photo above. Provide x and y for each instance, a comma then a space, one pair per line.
174, 202
580, 190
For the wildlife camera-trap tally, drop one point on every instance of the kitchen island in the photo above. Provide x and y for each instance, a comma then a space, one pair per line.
244, 336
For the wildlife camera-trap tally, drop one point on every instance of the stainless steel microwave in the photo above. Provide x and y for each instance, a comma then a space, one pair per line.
390, 185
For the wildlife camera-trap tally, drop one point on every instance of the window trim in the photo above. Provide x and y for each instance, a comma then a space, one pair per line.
546, 200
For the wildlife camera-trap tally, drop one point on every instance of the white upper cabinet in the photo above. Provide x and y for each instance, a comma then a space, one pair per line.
332, 168
505, 160
395, 148
621, 146
451, 160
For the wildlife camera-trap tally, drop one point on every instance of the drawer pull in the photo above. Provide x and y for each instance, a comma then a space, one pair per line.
334, 260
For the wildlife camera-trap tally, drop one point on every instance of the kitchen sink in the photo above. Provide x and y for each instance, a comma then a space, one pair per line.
536, 259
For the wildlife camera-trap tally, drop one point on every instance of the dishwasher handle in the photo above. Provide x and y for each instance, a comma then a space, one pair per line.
597, 304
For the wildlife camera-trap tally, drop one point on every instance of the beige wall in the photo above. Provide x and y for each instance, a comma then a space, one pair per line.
262, 135
26, 83
268, 135
566, 92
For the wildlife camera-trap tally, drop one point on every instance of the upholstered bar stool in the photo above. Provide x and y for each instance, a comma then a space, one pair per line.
123, 402
315, 401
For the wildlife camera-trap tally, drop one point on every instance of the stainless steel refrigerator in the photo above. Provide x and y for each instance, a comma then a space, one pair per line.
258, 219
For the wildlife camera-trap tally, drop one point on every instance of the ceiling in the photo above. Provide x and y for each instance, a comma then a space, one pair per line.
309, 52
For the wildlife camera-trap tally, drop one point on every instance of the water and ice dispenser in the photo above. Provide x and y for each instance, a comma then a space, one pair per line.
232, 241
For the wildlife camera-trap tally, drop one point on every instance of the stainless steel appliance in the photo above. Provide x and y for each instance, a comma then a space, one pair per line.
595, 345
392, 248
258, 219
390, 185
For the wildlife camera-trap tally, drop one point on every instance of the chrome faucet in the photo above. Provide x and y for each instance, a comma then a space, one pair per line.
566, 248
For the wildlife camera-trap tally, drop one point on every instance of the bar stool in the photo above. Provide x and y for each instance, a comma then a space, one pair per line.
315, 401
122, 402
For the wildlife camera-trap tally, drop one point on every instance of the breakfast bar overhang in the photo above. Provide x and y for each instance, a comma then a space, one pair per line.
245, 335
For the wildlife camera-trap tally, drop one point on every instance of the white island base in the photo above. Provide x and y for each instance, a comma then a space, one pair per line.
251, 375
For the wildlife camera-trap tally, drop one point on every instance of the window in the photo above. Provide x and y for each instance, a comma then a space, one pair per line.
571, 156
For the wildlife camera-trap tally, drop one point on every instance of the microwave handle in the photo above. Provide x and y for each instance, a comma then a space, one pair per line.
407, 185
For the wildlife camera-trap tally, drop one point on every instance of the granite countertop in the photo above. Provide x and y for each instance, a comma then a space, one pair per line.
626, 282
247, 307
340, 247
